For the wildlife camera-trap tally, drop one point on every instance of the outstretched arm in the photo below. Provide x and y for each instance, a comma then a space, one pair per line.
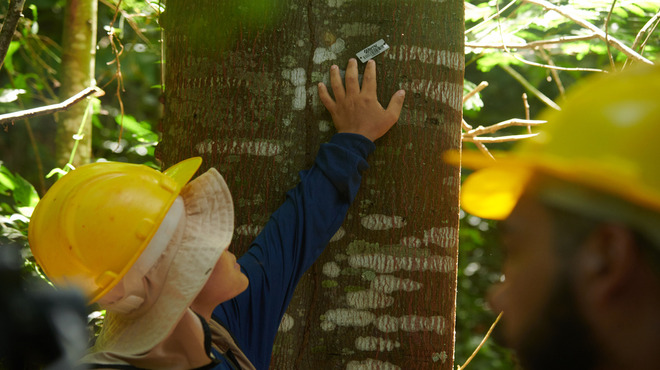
357, 110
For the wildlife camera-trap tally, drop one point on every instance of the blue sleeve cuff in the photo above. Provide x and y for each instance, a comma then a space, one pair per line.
355, 143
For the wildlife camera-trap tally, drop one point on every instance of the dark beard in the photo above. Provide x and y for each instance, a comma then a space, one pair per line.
560, 339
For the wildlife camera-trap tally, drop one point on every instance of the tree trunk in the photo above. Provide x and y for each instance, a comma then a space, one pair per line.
76, 74
242, 94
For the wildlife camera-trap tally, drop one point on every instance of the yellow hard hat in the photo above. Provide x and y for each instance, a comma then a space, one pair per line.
604, 138
93, 224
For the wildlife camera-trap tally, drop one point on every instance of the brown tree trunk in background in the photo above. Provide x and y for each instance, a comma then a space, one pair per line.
242, 94
76, 74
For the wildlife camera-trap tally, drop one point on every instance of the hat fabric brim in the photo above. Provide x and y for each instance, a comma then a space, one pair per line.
203, 235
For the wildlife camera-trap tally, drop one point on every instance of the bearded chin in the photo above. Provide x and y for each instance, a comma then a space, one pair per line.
560, 337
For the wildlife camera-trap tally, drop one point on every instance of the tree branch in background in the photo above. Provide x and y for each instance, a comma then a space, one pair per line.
476, 90
500, 11
553, 72
607, 36
529, 87
597, 31
647, 30
471, 135
49, 109
533, 44
9, 27
481, 130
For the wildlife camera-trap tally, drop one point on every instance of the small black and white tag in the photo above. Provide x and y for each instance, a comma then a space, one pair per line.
372, 50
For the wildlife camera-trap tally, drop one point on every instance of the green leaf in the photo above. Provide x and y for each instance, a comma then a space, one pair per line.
13, 47
24, 193
140, 130
474, 103
490, 60
7, 180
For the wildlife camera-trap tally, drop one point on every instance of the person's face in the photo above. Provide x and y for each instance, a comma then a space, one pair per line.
529, 269
226, 281
541, 320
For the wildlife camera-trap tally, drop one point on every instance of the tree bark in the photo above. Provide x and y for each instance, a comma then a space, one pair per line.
76, 74
242, 94
9, 27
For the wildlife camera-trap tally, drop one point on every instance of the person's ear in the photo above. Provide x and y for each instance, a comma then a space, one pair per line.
607, 261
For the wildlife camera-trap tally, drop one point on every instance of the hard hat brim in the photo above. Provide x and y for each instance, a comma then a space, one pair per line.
183, 171
493, 190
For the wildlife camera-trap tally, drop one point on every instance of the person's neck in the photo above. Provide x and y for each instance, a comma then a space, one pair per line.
184, 346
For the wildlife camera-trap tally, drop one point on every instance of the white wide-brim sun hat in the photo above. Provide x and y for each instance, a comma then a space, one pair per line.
149, 303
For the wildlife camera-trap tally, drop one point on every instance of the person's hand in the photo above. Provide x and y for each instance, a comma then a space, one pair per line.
356, 110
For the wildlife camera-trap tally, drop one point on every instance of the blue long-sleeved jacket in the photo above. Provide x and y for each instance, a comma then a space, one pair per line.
290, 242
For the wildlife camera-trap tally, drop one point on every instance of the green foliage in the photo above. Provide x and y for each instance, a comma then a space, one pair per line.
523, 23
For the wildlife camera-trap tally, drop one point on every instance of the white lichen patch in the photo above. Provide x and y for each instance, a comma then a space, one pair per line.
328, 325
371, 364
297, 76
411, 242
324, 126
442, 357
248, 230
349, 317
331, 269
444, 58
338, 46
322, 54
375, 344
386, 264
286, 324
410, 323
442, 236
366, 299
447, 92
382, 222
387, 324
336, 3
260, 148
338, 235
388, 284
414, 323
299, 98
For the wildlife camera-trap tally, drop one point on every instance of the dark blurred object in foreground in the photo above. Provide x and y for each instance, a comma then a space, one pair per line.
39, 328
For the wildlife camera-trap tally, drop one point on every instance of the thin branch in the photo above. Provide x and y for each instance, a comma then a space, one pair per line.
465, 126
53, 108
641, 48
651, 23
607, 36
528, 62
527, 115
529, 87
14, 13
554, 67
482, 342
553, 72
499, 139
476, 90
129, 19
532, 44
482, 148
507, 6
481, 130
615, 42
